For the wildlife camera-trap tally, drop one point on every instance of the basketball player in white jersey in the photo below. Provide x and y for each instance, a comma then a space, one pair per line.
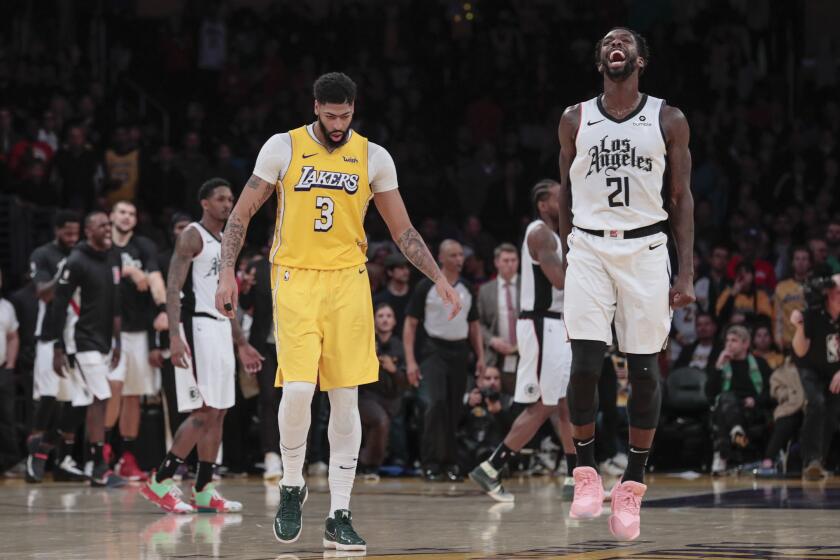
625, 169
204, 365
545, 355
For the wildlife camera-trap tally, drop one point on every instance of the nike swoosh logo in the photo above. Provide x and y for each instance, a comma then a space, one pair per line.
309, 155
362, 270
346, 468
652, 247
588, 123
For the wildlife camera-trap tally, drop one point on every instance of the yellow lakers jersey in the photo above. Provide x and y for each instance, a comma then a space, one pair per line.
322, 201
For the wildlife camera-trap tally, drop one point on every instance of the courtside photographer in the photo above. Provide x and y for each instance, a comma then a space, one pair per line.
816, 345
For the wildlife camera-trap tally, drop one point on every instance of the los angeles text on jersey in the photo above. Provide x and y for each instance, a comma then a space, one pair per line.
610, 155
311, 178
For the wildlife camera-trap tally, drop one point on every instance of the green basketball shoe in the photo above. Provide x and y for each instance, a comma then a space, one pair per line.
340, 534
289, 521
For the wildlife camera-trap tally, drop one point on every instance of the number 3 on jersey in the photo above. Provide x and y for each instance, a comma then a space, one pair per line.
621, 184
327, 207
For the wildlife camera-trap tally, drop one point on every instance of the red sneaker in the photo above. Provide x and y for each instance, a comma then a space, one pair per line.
128, 468
166, 495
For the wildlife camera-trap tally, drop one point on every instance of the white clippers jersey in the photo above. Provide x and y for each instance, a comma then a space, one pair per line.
199, 292
617, 175
537, 294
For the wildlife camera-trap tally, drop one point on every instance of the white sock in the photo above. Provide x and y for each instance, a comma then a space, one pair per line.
294, 417
345, 435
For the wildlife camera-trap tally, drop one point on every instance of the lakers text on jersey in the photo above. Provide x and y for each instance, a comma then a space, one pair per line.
323, 198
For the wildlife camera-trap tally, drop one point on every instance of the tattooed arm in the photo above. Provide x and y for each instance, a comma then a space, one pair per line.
253, 196
187, 246
392, 209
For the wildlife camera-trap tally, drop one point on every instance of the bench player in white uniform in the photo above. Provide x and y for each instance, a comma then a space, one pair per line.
625, 169
545, 355
205, 368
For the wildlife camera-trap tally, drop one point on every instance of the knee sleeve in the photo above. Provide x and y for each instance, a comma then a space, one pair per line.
582, 397
645, 392
295, 414
345, 423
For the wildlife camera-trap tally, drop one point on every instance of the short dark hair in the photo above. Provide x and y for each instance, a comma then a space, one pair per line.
539, 192
64, 217
334, 87
210, 185
504, 248
641, 46
801, 249
382, 304
179, 217
89, 216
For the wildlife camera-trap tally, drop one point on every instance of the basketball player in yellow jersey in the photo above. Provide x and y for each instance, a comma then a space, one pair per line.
325, 175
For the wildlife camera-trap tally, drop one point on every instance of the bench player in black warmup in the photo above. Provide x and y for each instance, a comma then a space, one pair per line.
92, 270
55, 416
617, 151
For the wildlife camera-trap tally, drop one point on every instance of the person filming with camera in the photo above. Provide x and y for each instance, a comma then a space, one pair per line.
816, 345
487, 418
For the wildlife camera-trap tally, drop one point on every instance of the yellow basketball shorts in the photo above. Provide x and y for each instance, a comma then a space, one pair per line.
323, 325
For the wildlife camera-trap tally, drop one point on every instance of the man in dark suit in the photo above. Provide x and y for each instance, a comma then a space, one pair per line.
498, 309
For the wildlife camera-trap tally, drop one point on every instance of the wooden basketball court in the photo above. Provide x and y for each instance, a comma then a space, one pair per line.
681, 519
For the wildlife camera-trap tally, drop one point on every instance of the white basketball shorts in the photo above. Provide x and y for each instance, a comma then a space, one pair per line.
622, 279
46, 383
545, 360
134, 371
94, 368
211, 378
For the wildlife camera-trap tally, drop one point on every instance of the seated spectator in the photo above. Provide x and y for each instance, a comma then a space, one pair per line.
749, 244
396, 292
701, 351
709, 286
379, 402
487, 418
739, 390
790, 295
743, 296
786, 389
763, 347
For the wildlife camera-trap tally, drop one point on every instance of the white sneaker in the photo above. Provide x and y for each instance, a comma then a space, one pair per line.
273, 466
318, 469
718, 464
620, 459
611, 468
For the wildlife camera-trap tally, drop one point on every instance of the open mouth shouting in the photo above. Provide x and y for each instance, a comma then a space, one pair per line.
616, 58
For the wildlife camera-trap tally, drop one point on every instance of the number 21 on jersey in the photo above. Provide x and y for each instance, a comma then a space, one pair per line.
327, 207
621, 185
